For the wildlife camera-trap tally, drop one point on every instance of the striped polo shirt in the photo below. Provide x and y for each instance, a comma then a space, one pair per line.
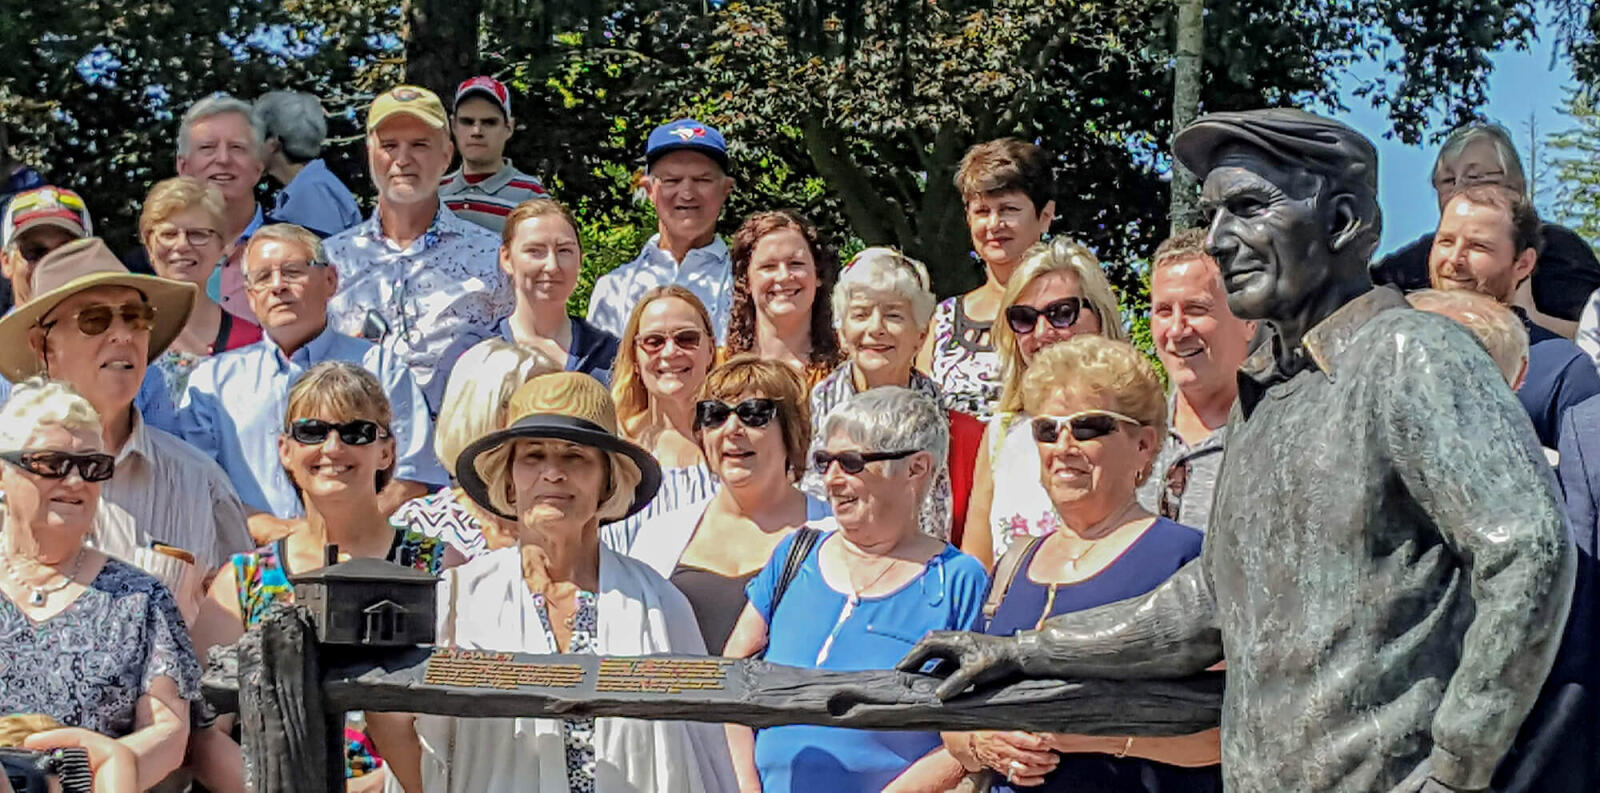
486, 200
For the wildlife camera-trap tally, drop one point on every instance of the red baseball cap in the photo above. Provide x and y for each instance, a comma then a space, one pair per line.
490, 88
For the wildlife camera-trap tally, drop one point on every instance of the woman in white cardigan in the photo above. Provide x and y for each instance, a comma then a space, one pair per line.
559, 471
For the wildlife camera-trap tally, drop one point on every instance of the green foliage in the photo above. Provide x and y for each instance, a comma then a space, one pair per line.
1577, 168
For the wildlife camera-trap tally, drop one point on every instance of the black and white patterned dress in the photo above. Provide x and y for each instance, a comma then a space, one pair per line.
88, 665
577, 735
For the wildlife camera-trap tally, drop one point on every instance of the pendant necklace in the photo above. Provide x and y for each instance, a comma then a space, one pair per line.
37, 595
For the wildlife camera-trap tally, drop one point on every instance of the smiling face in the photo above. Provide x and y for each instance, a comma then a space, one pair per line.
556, 482
543, 259
884, 493
107, 368
1199, 341
173, 250
1475, 249
783, 275
1268, 234
1087, 480
56, 511
223, 152
687, 190
407, 158
1005, 224
481, 131
673, 372
1478, 162
879, 332
286, 306
1038, 294
739, 454
334, 469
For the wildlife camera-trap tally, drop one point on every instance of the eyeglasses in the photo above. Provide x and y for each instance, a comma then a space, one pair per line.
57, 465
755, 412
687, 339
95, 320
1061, 314
292, 273
172, 235
1085, 425
315, 432
853, 462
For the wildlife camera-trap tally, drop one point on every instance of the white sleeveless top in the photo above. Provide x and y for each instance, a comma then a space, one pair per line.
1020, 507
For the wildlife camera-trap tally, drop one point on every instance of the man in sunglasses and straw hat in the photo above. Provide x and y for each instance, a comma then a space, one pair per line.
94, 325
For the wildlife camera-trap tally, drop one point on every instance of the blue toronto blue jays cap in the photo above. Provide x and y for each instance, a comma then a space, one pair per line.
686, 134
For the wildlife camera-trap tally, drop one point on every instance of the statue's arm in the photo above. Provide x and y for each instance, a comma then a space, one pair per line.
1170, 631
1464, 449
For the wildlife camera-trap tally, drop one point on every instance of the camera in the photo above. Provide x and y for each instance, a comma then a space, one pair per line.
63, 770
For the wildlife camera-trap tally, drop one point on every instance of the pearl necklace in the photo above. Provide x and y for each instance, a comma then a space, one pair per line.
37, 595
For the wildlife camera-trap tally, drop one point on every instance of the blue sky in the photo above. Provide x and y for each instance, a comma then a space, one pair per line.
1523, 83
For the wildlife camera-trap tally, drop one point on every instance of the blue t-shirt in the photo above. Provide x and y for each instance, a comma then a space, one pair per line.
816, 627
1154, 557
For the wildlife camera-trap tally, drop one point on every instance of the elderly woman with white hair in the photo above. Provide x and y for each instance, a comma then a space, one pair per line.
312, 196
89, 640
475, 403
560, 471
1057, 293
865, 587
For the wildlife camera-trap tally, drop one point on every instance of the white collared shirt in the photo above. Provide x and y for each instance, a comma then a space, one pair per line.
166, 490
435, 298
707, 272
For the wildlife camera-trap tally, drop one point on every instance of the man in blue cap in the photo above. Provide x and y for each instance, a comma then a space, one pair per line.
686, 176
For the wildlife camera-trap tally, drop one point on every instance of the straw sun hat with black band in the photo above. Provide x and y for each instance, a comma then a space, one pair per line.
70, 269
568, 406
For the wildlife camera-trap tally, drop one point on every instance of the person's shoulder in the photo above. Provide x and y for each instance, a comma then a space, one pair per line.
1565, 244
960, 566
1585, 417
1170, 531
1411, 333
182, 460
120, 579
229, 363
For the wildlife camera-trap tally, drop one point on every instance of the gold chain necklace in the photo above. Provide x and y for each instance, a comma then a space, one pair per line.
37, 595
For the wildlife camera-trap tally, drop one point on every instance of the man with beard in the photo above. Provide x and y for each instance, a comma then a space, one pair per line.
1387, 562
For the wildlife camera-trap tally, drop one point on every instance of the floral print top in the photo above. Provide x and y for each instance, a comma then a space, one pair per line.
964, 364
88, 665
577, 734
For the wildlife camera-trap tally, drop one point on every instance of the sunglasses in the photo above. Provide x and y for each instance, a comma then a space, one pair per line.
754, 412
1085, 425
57, 465
95, 320
688, 339
315, 432
853, 462
1061, 314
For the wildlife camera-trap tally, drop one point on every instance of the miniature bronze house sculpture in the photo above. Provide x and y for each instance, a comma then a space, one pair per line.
369, 602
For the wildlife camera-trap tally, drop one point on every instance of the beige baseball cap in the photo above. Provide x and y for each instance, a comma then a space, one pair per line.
409, 100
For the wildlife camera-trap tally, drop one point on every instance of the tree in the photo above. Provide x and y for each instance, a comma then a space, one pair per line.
1576, 161
1191, 40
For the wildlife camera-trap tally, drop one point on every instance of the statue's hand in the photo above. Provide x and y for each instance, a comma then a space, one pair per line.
969, 659
1421, 780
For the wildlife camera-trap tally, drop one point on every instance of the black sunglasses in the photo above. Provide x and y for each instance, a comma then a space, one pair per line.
687, 339
754, 412
1060, 314
1085, 426
853, 462
315, 432
56, 465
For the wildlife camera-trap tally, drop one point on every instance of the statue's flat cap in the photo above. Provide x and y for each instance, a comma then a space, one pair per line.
1292, 136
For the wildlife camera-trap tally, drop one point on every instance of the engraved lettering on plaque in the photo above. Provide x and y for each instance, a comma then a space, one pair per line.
478, 669
661, 676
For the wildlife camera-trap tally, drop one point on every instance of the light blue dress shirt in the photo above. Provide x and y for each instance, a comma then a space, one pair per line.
317, 200
233, 411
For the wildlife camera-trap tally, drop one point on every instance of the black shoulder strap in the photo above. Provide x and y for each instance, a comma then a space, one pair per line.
805, 538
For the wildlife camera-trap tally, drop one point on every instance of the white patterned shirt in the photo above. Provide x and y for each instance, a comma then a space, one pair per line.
426, 303
707, 272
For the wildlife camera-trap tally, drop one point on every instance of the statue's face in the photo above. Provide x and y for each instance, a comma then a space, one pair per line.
1266, 233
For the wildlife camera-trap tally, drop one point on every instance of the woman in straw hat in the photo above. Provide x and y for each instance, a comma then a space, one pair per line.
560, 471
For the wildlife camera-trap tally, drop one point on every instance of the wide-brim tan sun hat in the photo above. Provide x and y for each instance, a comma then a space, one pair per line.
72, 268
568, 406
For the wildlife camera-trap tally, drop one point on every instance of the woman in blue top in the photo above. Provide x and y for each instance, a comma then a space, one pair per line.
1098, 417
862, 597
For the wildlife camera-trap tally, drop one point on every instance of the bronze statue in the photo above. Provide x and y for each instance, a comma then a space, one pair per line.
1386, 568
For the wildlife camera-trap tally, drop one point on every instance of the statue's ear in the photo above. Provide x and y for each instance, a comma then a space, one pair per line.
1344, 222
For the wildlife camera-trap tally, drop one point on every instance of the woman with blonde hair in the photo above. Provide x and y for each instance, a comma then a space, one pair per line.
181, 229
475, 403
1058, 292
667, 349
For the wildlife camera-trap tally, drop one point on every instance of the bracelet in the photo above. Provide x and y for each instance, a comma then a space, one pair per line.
1125, 748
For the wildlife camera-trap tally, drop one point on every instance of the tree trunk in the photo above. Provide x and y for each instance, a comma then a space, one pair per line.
1185, 106
441, 44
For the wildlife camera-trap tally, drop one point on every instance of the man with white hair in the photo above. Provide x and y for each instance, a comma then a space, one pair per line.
312, 196
220, 144
415, 278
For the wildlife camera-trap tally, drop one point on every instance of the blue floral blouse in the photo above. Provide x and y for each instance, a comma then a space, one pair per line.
88, 665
